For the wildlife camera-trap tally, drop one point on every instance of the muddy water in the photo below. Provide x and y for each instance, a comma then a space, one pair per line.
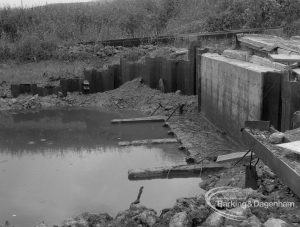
58, 163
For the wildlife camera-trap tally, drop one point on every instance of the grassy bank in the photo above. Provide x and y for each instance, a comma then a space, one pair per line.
36, 33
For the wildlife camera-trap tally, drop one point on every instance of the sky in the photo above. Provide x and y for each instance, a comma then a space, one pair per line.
30, 3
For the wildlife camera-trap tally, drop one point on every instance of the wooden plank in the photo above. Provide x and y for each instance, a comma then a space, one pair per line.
233, 157
148, 141
285, 58
179, 171
140, 120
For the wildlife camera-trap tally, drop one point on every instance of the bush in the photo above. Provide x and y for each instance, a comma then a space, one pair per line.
24, 33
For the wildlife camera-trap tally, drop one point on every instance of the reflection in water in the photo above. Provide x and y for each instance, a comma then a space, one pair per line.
73, 128
82, 169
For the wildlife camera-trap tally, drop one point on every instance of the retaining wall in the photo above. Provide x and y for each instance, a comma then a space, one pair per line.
290, 103
234, 91
33, 89
175, 74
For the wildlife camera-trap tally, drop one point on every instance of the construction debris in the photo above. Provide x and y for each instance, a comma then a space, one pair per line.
284, 58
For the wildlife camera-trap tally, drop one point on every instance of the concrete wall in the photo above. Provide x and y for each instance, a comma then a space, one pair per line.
290, 103
234, 91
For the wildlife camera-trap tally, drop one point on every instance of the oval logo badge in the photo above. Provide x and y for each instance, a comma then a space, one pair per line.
227, 201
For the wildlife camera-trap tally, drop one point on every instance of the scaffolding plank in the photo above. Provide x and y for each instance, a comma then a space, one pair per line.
148, 141
140, 119
233, 157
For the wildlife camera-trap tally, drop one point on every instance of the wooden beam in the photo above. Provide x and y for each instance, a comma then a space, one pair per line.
233, 157
140, 119
148, 141
285, 58
180, 171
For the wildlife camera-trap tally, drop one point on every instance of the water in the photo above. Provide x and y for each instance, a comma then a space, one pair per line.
59, 163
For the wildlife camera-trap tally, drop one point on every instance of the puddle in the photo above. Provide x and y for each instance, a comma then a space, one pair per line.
59, 163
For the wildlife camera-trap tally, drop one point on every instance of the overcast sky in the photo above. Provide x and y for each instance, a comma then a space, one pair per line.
29, 3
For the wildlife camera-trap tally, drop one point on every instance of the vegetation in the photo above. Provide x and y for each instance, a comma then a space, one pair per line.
35, 33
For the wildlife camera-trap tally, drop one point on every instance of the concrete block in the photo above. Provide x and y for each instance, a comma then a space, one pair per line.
234, 91
236, 54
266, 62
286, 58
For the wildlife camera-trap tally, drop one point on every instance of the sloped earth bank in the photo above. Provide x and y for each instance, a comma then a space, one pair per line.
200, 138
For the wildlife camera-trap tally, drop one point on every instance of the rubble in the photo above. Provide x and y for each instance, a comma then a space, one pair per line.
276, 137
273, 222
